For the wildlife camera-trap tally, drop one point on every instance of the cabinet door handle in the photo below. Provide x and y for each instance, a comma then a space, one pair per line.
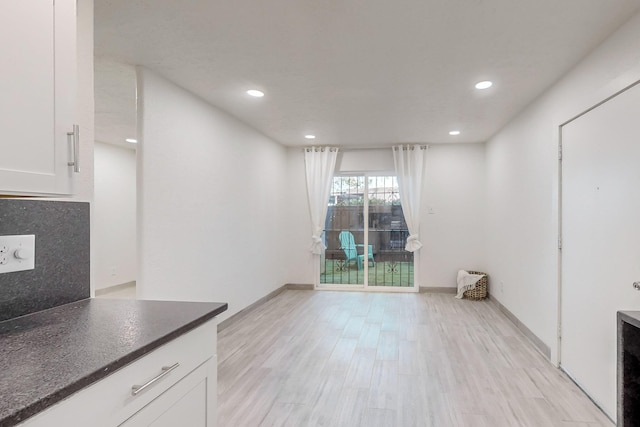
75, 148
165, 370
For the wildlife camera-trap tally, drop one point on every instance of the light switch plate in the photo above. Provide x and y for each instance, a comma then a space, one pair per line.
17, 253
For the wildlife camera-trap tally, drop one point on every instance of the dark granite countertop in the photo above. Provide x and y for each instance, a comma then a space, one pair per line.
47, 356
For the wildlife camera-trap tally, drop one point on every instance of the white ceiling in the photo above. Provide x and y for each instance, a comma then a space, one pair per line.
361, 73
115, 102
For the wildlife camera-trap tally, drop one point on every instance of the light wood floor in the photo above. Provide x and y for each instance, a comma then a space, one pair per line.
117, 292
320, 358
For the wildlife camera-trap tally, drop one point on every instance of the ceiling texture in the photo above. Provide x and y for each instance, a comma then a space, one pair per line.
355, 73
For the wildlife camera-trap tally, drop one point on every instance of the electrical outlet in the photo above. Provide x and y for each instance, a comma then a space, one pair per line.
17, 253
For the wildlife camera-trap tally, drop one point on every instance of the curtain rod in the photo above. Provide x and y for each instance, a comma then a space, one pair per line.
379, 148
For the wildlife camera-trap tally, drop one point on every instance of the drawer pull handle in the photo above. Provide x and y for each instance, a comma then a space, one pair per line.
165, 370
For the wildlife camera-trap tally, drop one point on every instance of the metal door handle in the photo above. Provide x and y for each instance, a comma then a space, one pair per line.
636, 286
165, 370
75, 148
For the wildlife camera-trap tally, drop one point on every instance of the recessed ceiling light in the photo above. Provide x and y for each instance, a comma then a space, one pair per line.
454, 132
131, 140
310, 136
484, 84
256, 93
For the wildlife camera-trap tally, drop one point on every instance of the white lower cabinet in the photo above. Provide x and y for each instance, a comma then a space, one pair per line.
186, 395
187, 403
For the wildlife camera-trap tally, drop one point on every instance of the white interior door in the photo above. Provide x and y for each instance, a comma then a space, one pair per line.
601, 239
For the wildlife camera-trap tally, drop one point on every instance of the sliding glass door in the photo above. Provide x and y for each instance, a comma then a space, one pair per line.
365, 234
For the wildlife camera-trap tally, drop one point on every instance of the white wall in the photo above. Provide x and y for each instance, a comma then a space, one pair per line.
453, 237
211, 193
297, 232
373, 160
114, 215
83, 181
522, 183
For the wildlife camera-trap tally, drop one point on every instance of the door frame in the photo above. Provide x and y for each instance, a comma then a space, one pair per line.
365, 287
560, 212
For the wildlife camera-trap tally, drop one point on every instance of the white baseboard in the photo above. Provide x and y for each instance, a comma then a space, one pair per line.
535, 340
242, 313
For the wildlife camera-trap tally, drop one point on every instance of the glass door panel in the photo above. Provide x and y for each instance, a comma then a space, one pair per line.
343, 261
388, 235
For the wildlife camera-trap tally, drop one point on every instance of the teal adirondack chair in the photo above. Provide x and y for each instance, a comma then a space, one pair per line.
348, 245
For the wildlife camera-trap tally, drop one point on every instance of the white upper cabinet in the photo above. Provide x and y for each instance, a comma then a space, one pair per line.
37, 97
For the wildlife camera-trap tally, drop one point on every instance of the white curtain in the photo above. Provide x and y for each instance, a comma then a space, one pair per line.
320, 164
409, 161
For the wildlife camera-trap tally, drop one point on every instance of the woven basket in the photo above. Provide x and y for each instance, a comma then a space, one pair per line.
480, 291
